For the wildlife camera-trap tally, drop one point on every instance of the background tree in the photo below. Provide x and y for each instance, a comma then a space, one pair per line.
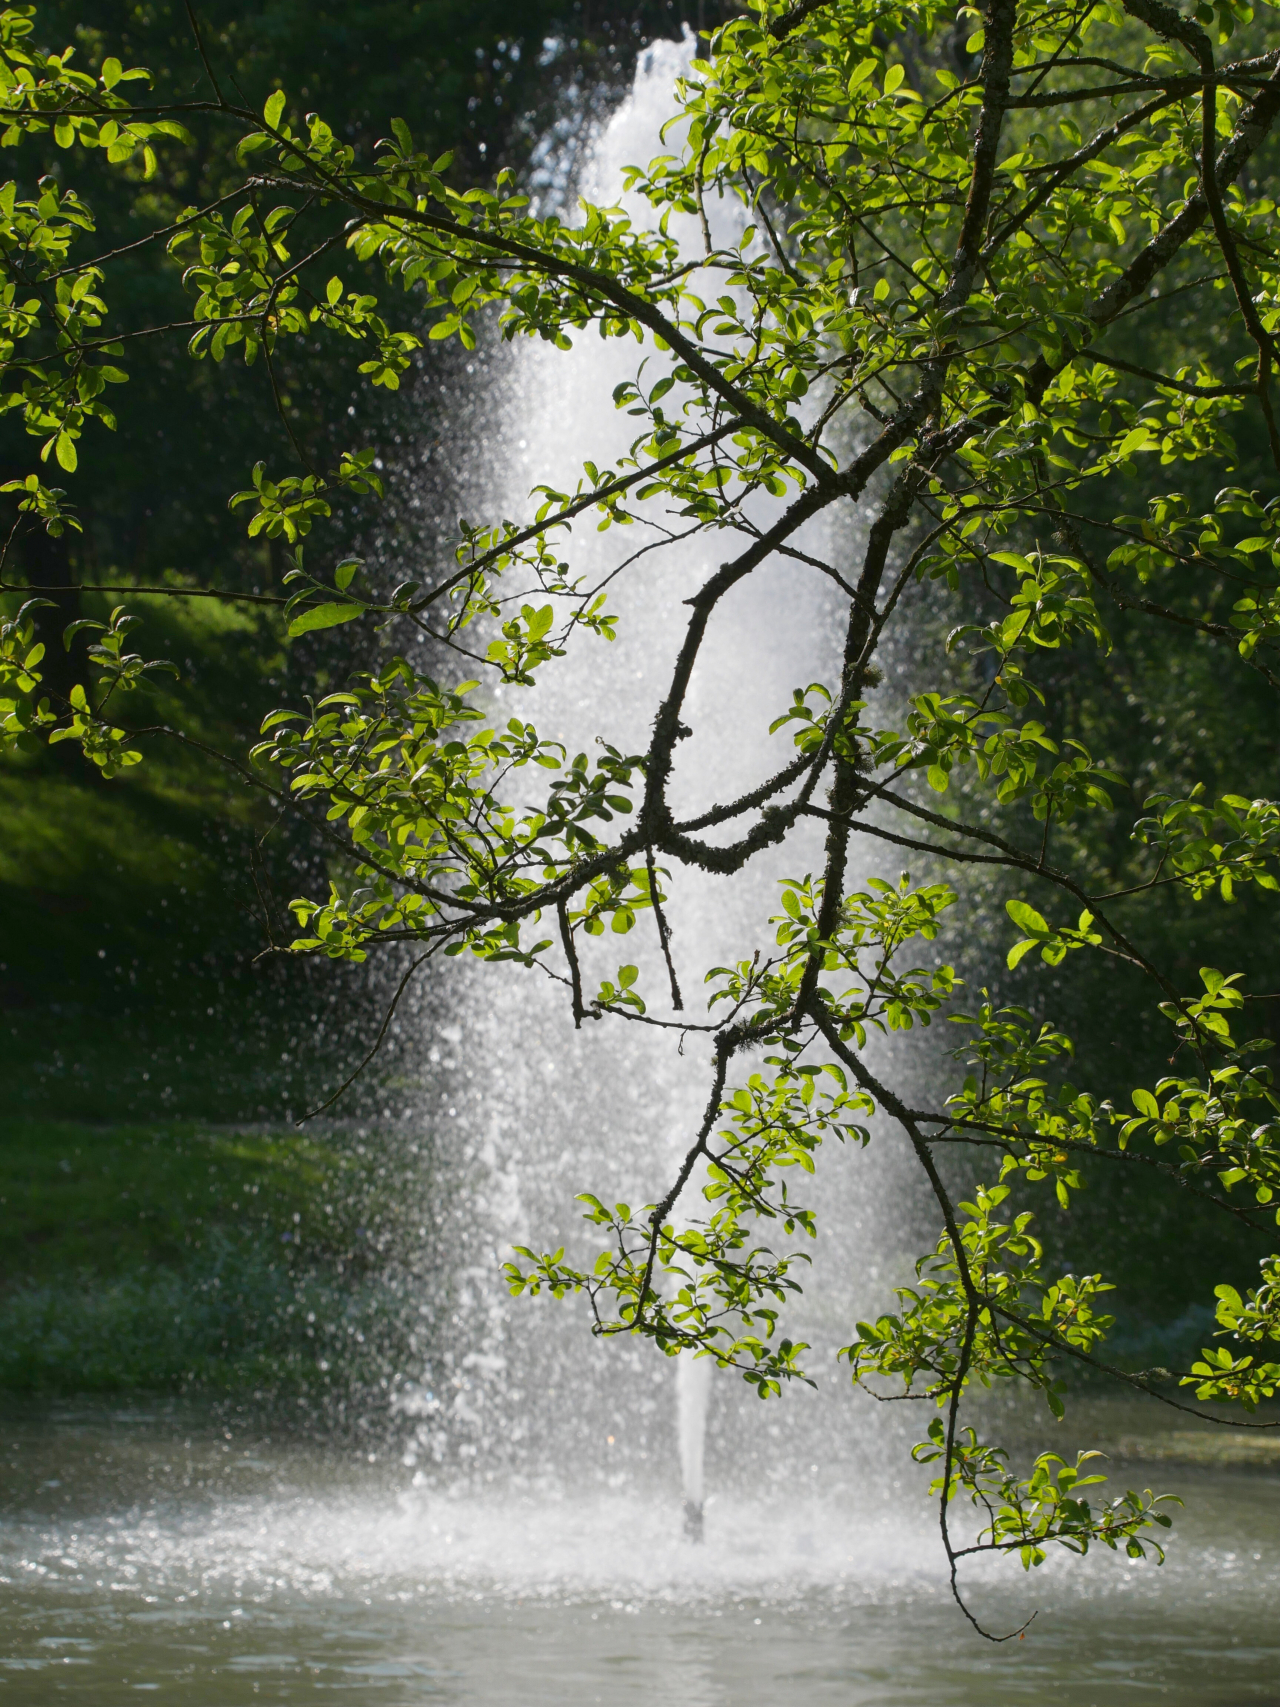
949, 234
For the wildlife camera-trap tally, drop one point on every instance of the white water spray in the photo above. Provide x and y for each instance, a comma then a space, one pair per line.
528, 1111
693, 1389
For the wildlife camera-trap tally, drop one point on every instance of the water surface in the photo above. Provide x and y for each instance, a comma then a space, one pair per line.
159, 1551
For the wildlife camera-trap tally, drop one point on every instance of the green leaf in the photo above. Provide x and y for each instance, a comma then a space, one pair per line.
1026, 918
273, 109
323, 616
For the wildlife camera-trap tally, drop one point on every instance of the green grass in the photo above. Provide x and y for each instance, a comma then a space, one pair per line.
179, 1255
260, 1061
134, 914
130, 980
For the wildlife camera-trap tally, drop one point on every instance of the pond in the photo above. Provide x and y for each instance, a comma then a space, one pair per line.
170, 1551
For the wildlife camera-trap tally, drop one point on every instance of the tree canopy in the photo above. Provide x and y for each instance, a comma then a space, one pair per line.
948, 303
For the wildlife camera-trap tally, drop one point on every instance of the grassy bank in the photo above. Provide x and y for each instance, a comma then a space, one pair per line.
177, 1255
133, 916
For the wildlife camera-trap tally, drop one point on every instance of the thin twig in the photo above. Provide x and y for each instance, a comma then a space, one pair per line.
377, 1042
664, 931
571, 955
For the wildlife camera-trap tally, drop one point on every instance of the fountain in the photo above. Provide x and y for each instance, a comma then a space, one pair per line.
693, 1389
608, 1107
